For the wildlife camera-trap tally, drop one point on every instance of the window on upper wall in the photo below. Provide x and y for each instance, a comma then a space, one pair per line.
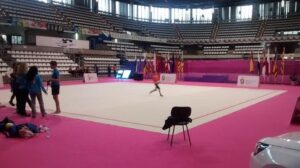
160, 15
244, 12
63, 1
266, 10
117, 7
122, 9
285, 8
181, 15
129, 9
135, 12
105, 5
141, 12
46, 1
290, 32
202, 15
16, 39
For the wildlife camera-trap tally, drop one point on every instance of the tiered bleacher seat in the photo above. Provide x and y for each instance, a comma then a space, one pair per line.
161, 30
162, 49
42, 60
215, 50
32, 10
82, 17
122, 23
246, 49
278, 25
123, 46
3, 16
238, 29
195, 31
3, 67
101, 62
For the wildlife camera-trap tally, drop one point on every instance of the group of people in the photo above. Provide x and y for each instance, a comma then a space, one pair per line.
27, 86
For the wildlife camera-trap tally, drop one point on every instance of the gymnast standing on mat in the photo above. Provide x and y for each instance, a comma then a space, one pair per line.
156, 81
55, 85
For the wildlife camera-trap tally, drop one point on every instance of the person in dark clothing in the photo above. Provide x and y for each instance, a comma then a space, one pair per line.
114, 68
108, 70
22, 92
12, 130
13, 76
96, 69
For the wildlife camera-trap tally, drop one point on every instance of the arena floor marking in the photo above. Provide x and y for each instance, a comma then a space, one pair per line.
129, 105
233, 105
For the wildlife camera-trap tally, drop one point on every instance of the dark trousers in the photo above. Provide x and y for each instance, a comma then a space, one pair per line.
22, 98
12, 97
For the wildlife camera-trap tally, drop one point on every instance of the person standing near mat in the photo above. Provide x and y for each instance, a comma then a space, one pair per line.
96, 69
156, 81
22, 91
13, 76
36, 87
108, 70
55, 85
114, 68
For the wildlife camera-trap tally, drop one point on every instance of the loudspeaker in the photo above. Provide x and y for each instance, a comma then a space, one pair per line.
138, 76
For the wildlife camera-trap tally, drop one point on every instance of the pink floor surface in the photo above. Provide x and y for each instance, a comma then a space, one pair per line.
223, 143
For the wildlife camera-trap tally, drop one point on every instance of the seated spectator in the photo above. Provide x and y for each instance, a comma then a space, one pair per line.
96, 69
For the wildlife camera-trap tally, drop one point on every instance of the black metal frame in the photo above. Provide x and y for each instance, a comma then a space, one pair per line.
187, 130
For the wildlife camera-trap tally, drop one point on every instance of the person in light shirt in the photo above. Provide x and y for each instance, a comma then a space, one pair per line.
55, 85
35, 84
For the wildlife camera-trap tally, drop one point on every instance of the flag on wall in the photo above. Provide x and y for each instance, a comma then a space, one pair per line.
265, 66
282, 62
251, 63
145, 66
258, 63
173, 64
269, 62
179, 65
167, 68
154, 61
275, 68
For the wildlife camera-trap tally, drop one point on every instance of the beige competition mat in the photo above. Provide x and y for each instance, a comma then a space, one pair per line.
130, 105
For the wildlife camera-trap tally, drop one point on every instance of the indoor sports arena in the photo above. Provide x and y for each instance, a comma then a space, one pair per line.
150, 83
